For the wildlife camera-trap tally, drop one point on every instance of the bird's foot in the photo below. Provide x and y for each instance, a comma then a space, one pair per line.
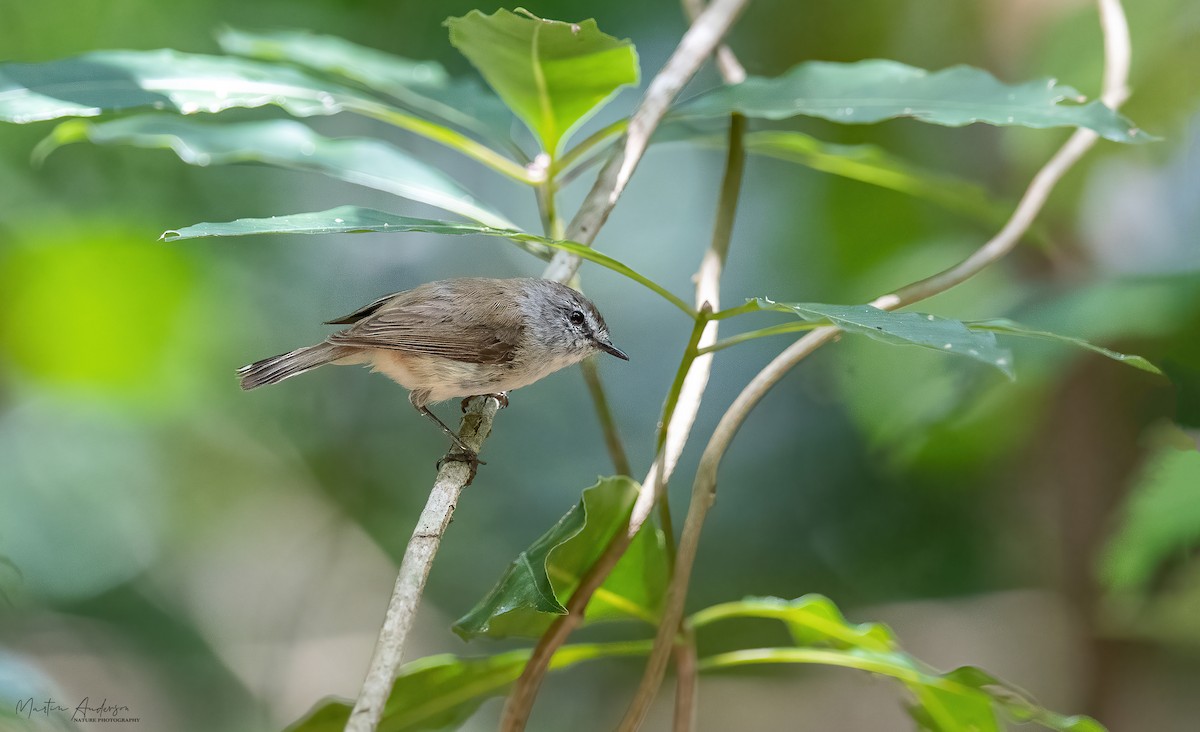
501, 399
457, 455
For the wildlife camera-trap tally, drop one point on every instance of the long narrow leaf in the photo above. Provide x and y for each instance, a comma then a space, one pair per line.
875, 90
108, 81
1008, 327
354, 219
288, 144
424, 86
903, 328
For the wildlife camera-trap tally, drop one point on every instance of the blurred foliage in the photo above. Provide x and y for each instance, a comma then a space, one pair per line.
872, 475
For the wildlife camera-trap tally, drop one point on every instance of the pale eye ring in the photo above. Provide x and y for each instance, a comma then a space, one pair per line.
577, 318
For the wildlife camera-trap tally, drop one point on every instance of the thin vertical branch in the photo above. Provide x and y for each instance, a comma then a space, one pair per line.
686, 678
452, 478
679, 415
1116, 34
608, 425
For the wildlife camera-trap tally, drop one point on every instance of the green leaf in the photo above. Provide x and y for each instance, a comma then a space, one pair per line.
1161, 520
288, 144
875, 90
811, 620
534, 588
355, 219
966, 699
109, 81
874, 165
423, 86
903, 328
441, 692
553, 75
1008, 327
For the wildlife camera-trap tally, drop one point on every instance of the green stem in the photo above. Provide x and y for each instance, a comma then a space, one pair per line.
750, 306
448, 137
573, 156
760, 333
685, 364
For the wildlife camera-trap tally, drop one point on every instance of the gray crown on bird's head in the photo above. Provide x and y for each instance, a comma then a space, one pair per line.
566, 318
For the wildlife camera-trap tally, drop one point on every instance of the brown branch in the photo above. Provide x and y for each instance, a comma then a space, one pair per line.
452, 478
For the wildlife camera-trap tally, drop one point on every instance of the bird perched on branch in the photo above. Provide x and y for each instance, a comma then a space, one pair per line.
461, 337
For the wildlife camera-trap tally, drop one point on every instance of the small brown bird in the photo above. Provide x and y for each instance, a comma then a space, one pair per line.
456, 338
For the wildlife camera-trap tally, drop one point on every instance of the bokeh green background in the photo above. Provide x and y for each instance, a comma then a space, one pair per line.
219, 560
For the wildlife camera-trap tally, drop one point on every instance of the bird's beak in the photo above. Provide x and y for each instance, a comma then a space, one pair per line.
608, 347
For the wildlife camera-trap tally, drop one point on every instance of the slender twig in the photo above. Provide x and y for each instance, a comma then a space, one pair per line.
452, 478
612, 437
731, 69
686, 673
679, 414
695, 46
1116, 34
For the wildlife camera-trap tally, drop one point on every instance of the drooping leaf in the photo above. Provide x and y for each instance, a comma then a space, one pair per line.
441, 692
108, 81
552, 75
423, 86
904, 328
355, 219
870, 91
289, 144
1008, 327
966, 698
537, 584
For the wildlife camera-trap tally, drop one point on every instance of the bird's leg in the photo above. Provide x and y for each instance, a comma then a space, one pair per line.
466, 454
500, 397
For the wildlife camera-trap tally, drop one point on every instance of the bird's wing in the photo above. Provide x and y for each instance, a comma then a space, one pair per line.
418, 330
362, 312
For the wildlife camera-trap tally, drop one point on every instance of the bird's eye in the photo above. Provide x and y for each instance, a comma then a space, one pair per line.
577, 318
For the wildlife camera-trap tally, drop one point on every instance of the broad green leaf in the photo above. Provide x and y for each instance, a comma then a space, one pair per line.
534, 588
1161, 520
874, 165
423, 86
355, 219
1008, 327
552, 75
109, 81
441, 692
904, 328
964, 699
875, 90
288, 144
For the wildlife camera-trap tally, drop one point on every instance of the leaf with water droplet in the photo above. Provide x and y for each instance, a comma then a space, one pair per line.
875, 90
904, 328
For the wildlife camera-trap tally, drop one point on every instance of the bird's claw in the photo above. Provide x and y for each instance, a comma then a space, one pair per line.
470, 457
501, 399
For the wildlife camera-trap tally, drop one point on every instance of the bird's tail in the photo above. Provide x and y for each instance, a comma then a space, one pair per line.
277, 368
